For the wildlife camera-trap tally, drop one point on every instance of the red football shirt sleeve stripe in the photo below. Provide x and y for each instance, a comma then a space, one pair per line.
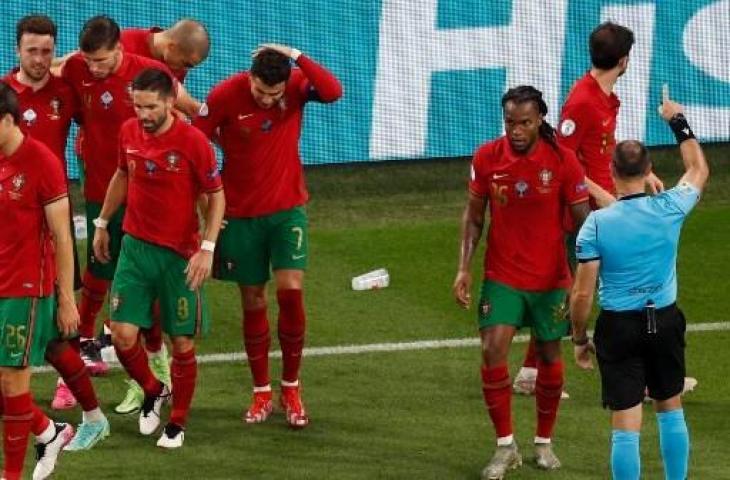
327, 86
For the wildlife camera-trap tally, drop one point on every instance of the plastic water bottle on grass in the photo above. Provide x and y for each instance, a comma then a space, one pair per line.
372, 280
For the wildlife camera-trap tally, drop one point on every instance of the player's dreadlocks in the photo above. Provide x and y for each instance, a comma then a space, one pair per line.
527, 93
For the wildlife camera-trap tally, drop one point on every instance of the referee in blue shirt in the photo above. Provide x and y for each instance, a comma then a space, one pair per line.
631, 247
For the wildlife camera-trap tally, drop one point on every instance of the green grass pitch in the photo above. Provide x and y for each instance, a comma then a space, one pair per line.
414, 414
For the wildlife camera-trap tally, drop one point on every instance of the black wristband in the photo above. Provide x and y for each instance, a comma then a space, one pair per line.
680, 128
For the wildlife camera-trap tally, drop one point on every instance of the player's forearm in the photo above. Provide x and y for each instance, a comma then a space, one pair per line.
696, 168
214, 215
328, 87
116, 195
186, 103
57, 217
580, 309
471, 233
695, 165
599, 195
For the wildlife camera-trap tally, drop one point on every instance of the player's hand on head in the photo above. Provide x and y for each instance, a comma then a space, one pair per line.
277, 47
582, 354
462, 289
199, 269
101, 245
669, 108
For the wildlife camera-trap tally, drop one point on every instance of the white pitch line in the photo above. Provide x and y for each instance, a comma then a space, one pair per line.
391, 347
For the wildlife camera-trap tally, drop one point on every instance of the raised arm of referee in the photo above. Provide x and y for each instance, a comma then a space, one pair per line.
639, 336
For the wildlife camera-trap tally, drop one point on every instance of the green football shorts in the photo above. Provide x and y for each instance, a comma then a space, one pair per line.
27, 324
249, 248
543, 312
148, 272
101, 270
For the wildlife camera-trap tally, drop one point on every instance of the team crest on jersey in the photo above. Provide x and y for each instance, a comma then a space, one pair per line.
230, 265
266, 125
485, 308
150, 167
545, 176
29, 117
55, 105
173, 162
106, 99
521, 188
567, 127
18, 182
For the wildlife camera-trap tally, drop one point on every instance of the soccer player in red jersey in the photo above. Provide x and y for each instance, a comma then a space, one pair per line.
36, 255
180, 47
588, 127
47, 106
164, 166
101, 75
527, 180
256, 117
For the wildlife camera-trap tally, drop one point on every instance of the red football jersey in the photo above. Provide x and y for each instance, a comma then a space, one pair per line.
46, 114
105, 105
262, 171
30, 179
166, 175
527, 196
588, 127
139, 42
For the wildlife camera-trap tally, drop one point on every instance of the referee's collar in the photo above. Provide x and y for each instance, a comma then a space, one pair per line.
632, 196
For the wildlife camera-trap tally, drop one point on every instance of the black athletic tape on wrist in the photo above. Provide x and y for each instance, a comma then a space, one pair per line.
680, 128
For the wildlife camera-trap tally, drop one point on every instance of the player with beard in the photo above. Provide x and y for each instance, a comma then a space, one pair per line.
48, 106
164, 166
528, 181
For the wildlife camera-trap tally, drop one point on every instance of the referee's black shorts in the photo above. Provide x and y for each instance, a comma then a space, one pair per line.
631, 359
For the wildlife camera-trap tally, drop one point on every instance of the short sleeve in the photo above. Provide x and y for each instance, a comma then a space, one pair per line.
573, 188
205, 165
679, 200
212, 113
572, 126
53, 185
478, 182
586, 245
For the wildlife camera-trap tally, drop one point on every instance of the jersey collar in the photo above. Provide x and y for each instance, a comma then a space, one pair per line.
632, 196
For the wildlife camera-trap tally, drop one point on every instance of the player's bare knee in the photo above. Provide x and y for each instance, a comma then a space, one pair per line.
253, 297
289, 279
124, 336
548, 352
182, 344
673, 403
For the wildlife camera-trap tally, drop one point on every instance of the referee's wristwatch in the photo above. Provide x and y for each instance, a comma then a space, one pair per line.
580, 342
100, 222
